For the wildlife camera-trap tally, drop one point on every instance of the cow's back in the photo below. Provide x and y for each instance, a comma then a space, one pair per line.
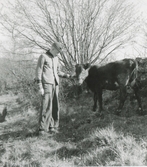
113, 68
110, 73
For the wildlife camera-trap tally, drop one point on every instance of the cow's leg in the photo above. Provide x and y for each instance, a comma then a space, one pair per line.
99, 95
95, 98
100, 101
137, 95
123, 94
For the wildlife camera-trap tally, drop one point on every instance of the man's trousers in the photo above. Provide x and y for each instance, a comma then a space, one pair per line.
49, 114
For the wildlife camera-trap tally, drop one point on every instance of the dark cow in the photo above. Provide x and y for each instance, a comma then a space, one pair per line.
112, 76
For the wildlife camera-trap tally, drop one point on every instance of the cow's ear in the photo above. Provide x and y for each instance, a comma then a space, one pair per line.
77, 65
86, 66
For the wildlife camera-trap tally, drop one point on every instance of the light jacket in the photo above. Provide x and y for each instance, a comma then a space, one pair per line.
47, 71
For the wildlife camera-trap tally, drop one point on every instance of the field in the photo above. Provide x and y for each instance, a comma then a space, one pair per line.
84, 139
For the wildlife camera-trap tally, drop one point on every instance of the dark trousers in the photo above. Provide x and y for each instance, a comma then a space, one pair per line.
49, 114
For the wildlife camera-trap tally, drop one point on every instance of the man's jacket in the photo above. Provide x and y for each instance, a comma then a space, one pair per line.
47, 71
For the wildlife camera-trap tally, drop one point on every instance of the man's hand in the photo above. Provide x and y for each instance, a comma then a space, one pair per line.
41, 91
69, 76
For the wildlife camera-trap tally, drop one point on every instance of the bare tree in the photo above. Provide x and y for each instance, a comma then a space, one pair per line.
89, 30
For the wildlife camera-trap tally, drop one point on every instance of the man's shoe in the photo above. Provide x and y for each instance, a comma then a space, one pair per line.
54, 130
44, 133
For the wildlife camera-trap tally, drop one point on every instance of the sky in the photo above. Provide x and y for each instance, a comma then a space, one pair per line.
140, 8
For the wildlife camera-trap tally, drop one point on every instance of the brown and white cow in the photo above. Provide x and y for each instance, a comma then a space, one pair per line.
112, 76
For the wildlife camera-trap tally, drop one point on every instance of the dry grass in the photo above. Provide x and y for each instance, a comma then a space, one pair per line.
84, 139
109, 148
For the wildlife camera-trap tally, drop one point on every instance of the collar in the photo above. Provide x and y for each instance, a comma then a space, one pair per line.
49, 54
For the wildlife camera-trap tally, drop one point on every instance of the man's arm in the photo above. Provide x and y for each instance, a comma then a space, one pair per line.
62, 74
39, 71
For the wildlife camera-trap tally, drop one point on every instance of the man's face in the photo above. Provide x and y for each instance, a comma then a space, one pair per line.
56, 50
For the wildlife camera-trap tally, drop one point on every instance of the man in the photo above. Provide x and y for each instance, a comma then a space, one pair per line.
47, 76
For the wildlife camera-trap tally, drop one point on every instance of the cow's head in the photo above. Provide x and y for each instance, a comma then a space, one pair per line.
81, 71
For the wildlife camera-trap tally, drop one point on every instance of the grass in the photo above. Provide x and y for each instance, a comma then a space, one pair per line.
84, 138
110, 148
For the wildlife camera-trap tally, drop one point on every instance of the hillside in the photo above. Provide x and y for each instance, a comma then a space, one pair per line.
84, 138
